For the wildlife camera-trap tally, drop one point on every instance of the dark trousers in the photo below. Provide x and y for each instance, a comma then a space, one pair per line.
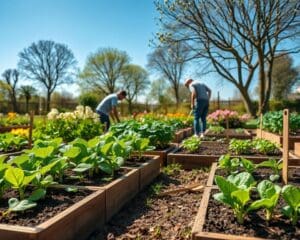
104, 119
200, 112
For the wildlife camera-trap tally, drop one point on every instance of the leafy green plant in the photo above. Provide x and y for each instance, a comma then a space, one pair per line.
273, 122
229, 164
18, 206
265, 147
17, 179
240, 146
216, 129
235, 192
247, 165
291, 195
191, 144
11, 142
275, 165
172, 169
269, 194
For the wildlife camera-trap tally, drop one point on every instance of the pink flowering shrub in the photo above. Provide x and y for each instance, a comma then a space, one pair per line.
235, 120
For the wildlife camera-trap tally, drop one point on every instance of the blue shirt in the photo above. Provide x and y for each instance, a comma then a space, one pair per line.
200, 89
106, 105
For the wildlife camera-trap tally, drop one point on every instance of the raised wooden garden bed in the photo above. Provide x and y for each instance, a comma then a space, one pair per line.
76, 222
297, 148
179, 136
149, 171
275, 138
197, 231
196, 160
120, 191
162, 154
294, 163
231, 133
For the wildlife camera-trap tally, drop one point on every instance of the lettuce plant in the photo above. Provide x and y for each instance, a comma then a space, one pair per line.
191, 144
229, 164
291, 195
269, 194
240, 146
235, 192
17, 179
265, 146
275, 165
216, 129
16, 205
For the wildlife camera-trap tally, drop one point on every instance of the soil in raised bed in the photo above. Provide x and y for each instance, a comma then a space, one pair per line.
149, 216
232, 133
55, 201
99, 180
220, 219
135, 161
221, 148
260, 174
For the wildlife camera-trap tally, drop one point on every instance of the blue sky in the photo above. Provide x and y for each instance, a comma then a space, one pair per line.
85, 26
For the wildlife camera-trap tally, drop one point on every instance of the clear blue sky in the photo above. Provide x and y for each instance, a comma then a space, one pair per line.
85, 26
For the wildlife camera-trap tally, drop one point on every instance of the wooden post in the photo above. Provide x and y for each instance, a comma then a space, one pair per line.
227, 128
30, 128
218, 101
261, 124
285, 145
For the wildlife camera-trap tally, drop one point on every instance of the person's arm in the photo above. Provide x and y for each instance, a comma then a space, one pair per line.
193, 97
208, 92
115, 113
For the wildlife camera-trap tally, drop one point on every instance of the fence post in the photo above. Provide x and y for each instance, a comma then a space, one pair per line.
218, 101
285, 145
261, 124
30, 128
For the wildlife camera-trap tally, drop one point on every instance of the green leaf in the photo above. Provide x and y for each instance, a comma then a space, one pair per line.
93, 142
15, 176
242, 180
71, 189
37, 194
267, 189
261, 203
225, 186
43, 152
15, 205
291, 195
106, 167
82, 167
241, 196
72, 152
287, 211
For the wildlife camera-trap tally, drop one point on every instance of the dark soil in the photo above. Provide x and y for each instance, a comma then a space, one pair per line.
232, 133
220, 148
135, 161
149, 216
220, 219
264, 173
55, 201
101, 179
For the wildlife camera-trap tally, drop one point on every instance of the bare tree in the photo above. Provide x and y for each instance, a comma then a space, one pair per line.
135, 82
27, 92
236, 39
103, 70
48, 63
170, 62
11, 78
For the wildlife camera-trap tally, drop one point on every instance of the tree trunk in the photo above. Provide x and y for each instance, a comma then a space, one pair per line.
250, 107
48, 101
130, 106
27, 104
262, 82
176, 96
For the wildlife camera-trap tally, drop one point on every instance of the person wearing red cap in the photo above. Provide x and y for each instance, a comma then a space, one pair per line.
200, 95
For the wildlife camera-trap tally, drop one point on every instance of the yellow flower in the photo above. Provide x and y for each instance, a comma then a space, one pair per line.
20, 132
11, 115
